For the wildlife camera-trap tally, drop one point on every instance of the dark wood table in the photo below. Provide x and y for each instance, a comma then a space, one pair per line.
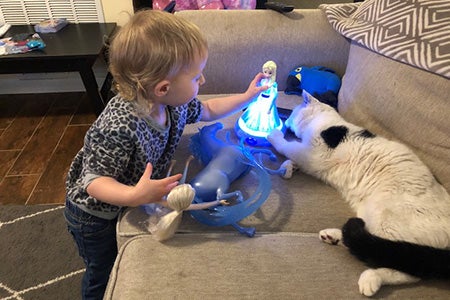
74, 48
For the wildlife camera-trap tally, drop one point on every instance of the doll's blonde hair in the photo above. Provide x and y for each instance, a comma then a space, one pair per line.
272, 66
151, 47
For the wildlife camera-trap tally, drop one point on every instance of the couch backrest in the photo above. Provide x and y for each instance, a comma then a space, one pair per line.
402, 102
241, 41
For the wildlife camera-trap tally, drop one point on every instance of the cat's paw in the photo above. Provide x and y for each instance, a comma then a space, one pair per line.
289, 167
332, 236
275, 135
369, 282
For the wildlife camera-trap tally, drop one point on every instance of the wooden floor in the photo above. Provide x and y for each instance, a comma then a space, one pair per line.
39, 136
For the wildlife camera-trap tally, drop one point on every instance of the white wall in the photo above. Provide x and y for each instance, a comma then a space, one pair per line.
117, 10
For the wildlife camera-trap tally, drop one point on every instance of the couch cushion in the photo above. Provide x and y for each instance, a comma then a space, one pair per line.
230, 266
300, 204
402, 102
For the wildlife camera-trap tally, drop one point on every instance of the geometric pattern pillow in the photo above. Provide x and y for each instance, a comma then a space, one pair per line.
416, 32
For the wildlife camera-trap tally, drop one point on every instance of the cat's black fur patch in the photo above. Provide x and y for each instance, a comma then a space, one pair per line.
366, 134
417, 260
334, 135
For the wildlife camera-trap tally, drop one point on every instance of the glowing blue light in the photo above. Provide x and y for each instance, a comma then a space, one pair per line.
260, 118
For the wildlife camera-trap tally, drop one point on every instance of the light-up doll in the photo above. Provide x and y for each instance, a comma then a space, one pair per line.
261, 116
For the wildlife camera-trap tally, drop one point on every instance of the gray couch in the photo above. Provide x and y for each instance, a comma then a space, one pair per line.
286, 259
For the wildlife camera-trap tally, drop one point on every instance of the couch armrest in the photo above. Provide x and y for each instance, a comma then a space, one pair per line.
241, 41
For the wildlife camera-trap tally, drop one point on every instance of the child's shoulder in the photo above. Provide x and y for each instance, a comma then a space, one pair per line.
119, 108
118, 113
119, 104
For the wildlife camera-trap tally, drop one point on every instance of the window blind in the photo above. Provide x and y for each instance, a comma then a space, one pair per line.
34, 11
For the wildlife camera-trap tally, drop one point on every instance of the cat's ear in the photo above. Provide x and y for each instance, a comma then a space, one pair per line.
306, 97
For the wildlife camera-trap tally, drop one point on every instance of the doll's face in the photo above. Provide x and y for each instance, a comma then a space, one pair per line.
268, 71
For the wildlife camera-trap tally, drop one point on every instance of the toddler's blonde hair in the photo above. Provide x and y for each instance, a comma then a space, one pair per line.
151, 47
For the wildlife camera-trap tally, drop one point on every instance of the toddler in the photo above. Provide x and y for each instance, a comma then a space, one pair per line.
157, 60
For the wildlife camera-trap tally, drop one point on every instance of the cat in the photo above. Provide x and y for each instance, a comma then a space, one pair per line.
402, 224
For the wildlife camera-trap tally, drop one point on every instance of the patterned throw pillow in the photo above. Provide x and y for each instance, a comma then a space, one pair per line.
416, 32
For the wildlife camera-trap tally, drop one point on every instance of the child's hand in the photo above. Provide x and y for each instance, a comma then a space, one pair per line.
220, 107
153, 190
255, 88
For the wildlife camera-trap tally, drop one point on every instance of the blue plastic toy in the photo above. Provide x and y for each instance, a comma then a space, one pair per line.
224, 163
321, 82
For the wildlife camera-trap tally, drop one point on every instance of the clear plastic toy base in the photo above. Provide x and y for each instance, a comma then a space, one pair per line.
251, 137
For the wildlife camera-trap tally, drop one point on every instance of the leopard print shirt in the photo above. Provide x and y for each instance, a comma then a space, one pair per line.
119, 144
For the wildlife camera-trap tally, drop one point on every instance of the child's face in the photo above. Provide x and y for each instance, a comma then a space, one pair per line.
184, 86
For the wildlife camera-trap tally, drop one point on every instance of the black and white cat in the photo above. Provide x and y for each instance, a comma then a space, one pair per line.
402, 229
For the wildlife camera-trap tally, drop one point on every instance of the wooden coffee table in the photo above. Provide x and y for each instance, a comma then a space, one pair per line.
74, 48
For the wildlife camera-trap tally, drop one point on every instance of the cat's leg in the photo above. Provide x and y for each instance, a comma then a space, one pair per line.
294, 150
371, 280
290, 168
332, 236
276, 138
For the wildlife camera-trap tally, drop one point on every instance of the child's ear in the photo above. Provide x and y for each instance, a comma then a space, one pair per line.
162, 88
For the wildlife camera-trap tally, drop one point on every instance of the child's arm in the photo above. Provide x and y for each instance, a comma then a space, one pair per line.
109, 190
216, 108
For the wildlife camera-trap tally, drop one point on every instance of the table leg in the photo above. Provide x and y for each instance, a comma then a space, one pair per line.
90, 83
105, 91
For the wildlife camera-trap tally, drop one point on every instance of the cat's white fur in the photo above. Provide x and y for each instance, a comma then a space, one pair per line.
383, 181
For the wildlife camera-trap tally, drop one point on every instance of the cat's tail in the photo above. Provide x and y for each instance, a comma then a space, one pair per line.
417, 260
